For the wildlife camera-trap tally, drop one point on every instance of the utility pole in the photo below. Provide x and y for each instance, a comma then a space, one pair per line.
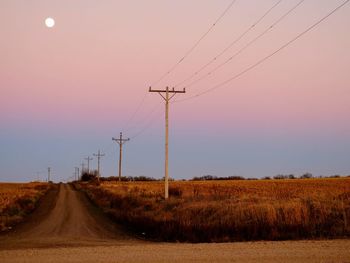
48, 174
77, 172
82, 167
167, 99
120, 141
37, 176
88, 163
98, 155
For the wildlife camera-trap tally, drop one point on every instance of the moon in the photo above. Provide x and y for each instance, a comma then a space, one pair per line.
49, 22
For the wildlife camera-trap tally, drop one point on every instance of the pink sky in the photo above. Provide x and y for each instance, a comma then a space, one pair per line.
93, 68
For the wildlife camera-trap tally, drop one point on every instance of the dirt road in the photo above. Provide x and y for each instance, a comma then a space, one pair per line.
66, 227
66, 217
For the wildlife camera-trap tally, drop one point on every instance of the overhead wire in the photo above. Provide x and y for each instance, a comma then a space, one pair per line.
246, 70
125, 127
247, 45
148, 124
230, 44
268, 56
250, 67
189, 51
260, 19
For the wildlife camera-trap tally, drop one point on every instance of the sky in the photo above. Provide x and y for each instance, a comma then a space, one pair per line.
66, 91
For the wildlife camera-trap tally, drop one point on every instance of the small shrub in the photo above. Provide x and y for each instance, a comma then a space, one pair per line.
306, 176
89, 176
175, 191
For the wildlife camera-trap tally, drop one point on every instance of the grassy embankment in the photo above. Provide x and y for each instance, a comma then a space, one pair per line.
216, 211
17, 200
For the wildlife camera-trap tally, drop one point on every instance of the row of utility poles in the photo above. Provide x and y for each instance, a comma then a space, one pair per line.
99, 155
48, 175
168, 95
121, 141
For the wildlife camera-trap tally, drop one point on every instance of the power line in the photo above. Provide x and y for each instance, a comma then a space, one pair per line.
230, 45
195, 44
147, 123
186, 54
150, 113
153, 110
220, 54
247, 45
268, 56
127, 123
146, 127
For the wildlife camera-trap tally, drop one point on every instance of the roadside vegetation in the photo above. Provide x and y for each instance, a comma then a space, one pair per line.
17, 200
234, 210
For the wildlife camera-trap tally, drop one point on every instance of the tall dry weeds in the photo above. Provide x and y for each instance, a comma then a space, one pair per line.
230, 210
18, 200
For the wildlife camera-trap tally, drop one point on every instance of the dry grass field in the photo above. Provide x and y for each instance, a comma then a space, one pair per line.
216, 211
17, 200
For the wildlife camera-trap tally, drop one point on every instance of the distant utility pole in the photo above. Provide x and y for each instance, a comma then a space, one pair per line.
98, 155
167, 99
82, 167
88, 163
120, 141
38, 176
77, 172
48, 174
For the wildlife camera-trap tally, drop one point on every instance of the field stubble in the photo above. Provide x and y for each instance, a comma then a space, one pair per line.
17, 200
222, 211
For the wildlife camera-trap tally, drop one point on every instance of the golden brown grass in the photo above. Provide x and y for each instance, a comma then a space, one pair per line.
17, 200
230, 210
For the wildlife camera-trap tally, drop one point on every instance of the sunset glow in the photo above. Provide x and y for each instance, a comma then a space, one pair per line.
69, 90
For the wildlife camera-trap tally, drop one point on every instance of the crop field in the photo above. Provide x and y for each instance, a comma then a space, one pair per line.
17, 200
217, 211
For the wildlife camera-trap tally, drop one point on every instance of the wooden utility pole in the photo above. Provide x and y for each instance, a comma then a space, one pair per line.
98, 155
82, 167
76, 173
88, 163
48, 174
37, 176
120, 141
167, 99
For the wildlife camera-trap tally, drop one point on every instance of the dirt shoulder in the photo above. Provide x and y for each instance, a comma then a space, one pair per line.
281, 251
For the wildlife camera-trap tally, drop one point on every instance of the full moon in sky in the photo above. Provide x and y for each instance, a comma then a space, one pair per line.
49, 22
